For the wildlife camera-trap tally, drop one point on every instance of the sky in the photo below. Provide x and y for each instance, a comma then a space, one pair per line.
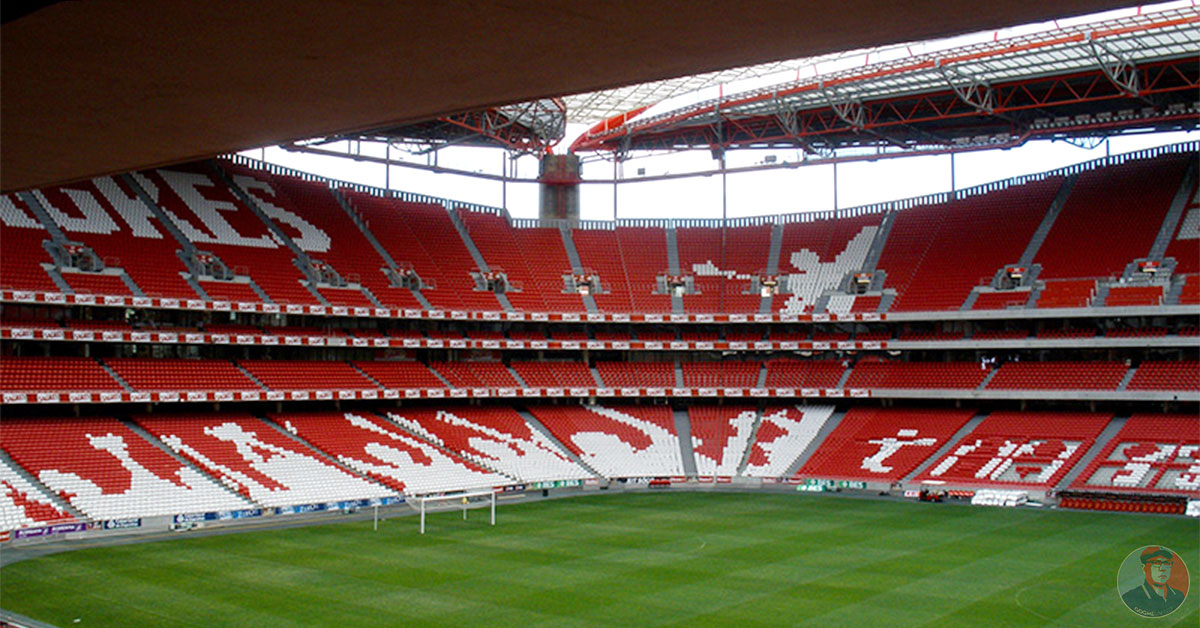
804, 189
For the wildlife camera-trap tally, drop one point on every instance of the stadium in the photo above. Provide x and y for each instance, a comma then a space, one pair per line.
281, 345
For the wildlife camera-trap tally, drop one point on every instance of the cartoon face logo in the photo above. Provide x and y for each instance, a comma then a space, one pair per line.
1153, 581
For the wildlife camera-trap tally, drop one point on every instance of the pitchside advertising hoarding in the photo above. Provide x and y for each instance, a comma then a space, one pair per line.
352, 504
813, 485
58, 528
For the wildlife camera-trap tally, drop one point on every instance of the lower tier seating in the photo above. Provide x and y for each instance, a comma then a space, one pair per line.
618, 442
1034, 449
720, 435
22, 504
255, 460
783, 434
378, 449
882, 444
107, 471
494, 438
1155, 453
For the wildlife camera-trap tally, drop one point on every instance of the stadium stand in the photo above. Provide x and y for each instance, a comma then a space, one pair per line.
257, 461
158, 375
816, 256
54, 374
652, 374
24, 505
882, 444
494, 438
378, 449
21, 231
1153, 453
786, 373
618, 442
784, 433
720, 435
720, 374
107, 471
552, 374
1092, 375
400, 374
1162, 375
878, 373
306, 375
1034, 449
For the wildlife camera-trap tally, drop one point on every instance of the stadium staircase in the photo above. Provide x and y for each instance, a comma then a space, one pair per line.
35, 206
950, 443
1110, 431
758, 418
596, 376
830, 425
772, 263
683, 427
1043, 230
679, 382
562, 449
673, 265
576, 264
516, 376
476, 255
1124, 385
1171, 222
115, 376
878, 243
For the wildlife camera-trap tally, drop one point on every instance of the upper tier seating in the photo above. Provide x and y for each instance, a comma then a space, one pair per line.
252, 458
497, 243
378, 449
600, 253
1152, 453
1185, 242
1019, 449
1001, 300
618, 442
1094, 375
214, 219
632, 374
349, 251
1067, 293
878, 373
936, 254
232, 291
22, 504
721, 374
492, 437
307, 375
883, 444
58, 374
722, 263
719, 437
108, 471
157, 375
784, 433
107, 216
547, 268
816, 256
21, 231
1111, 218
96, 283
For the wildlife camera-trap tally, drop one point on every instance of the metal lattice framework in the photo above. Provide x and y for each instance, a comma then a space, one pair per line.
1085, 80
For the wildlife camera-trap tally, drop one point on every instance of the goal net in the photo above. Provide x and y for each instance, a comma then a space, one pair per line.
457, 501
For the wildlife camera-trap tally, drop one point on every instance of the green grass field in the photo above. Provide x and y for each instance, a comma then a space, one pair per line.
657, 559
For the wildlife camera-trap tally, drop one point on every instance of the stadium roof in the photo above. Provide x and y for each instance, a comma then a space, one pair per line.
93, 88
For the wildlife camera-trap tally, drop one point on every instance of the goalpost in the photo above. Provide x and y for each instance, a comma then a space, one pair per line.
462, 498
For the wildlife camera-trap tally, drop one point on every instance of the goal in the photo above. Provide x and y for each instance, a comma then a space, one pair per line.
465, 501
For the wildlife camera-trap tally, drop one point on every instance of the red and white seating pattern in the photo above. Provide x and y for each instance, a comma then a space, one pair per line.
496, 438
1152, 453
882, 444
108, 471
22, 504
255, 460
377, 448
817, 255
1019, 448
720, 435
618, 442
783, 434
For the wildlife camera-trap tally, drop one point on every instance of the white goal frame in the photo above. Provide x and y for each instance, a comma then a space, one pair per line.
464, 497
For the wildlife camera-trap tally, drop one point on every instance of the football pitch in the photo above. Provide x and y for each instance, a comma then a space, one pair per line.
626, 559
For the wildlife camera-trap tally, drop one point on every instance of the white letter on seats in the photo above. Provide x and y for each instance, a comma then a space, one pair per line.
209, 212
95, 219
132, 210
13, 216
311, 238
